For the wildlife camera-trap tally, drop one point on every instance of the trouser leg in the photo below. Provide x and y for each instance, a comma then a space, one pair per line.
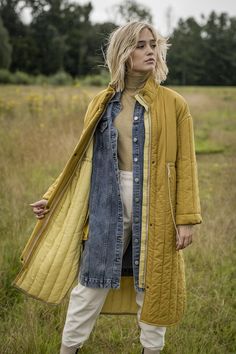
84, 307
151, 337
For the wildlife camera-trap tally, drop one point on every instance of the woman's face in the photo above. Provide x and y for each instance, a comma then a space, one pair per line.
144, 56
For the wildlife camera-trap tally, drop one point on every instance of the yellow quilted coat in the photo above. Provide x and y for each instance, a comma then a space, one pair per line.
170, 197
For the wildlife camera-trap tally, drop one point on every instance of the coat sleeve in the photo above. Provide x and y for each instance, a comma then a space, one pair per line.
188, 209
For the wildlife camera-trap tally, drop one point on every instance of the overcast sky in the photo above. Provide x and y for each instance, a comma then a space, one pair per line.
102, 9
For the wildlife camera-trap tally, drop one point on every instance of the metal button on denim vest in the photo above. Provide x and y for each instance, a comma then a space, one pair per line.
101, 263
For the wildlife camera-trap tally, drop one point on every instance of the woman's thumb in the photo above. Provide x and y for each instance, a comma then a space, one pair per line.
34, 204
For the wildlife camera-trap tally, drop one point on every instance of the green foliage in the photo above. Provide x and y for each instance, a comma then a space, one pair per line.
41, 80
6, 77
96, 80
18, 78
131, 10
5, 47
202, 54
21, 78
60, 78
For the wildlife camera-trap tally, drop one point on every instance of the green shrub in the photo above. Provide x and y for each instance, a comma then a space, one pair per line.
21, 78
5, 77
41, 80
97, 80
60, 78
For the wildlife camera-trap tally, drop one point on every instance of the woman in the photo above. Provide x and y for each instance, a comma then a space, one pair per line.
127, 200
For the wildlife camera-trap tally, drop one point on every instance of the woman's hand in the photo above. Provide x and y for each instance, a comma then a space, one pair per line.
39, 208
185, 236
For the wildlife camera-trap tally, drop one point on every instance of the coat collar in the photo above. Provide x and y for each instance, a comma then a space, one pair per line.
147, 93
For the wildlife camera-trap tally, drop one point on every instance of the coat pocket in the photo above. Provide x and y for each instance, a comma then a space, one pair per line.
171, 176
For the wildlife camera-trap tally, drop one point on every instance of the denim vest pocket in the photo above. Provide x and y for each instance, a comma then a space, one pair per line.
102, 135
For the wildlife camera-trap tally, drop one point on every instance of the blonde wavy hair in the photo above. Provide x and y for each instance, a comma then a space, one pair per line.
122, 42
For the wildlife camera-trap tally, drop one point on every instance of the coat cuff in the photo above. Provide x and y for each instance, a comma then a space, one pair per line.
47, 194
187, 219
45, 197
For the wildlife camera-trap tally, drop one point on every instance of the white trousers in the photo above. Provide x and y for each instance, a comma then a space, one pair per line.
86, 303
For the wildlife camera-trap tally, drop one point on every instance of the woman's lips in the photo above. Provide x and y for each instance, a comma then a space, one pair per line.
150, 61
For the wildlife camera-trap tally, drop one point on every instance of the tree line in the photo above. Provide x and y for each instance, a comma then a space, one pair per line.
61, 37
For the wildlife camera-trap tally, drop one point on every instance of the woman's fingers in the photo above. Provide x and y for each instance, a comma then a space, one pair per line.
185, 233
39, 208
187, 241
183, 242
41, 211
179, 245
41, 214
41, 202
37, 204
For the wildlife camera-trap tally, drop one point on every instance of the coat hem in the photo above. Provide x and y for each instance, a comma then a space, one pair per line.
38, 298
161, 324
164, 324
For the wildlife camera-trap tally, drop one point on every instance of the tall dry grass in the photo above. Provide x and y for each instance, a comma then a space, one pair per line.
39, 128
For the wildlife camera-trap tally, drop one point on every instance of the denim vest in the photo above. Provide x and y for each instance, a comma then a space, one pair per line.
101, 263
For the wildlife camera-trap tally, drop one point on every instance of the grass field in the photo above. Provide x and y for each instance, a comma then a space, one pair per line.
39, 126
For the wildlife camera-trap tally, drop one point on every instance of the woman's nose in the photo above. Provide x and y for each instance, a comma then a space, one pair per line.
150, 49
150, 53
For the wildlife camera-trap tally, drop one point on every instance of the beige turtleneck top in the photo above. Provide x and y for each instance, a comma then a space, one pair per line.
124, 120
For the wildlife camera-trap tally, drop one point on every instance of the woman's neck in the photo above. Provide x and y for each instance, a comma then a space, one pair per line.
134, 81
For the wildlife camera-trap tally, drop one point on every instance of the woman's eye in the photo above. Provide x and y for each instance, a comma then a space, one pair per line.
142, 46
